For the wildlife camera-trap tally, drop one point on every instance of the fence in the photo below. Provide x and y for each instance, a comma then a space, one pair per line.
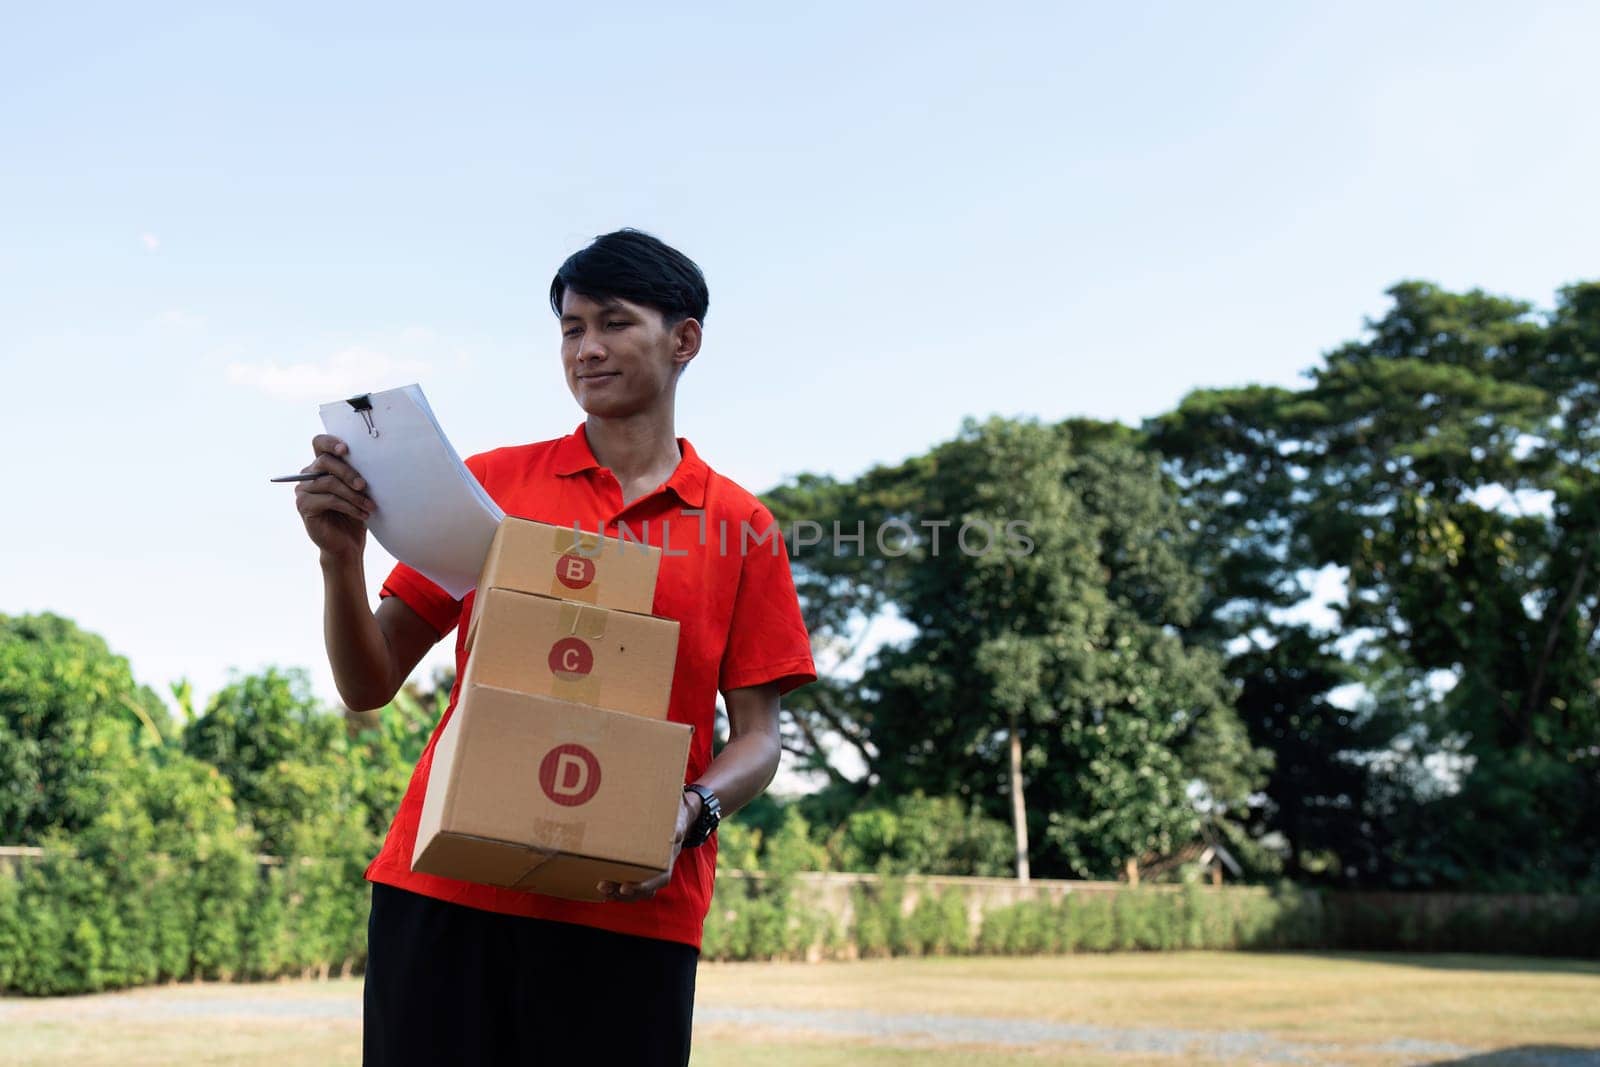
836, 893
833, 915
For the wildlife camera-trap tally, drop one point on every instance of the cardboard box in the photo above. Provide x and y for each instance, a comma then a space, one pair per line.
536, 557
537, 794
610, 659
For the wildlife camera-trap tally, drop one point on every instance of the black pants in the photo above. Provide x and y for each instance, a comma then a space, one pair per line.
448, 984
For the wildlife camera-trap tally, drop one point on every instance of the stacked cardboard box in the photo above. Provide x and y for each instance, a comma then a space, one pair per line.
558, 768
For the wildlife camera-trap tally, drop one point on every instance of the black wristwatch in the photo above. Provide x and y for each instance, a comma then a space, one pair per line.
710, 816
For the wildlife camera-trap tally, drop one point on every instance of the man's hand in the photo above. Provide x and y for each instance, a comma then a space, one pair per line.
740, 772
688, 812
335, 507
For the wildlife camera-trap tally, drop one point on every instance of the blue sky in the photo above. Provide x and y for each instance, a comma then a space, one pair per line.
209, 222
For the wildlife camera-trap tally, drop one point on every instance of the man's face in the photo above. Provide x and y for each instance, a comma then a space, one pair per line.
619, 357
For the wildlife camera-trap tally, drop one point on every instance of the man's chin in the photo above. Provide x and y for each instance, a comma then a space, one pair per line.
609, 409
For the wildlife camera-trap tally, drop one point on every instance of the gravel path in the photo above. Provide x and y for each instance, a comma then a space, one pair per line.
173, 1003
1238, 1046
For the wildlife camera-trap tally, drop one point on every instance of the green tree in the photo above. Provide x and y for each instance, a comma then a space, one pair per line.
1448, 462
841, 593
317, 798
1322, 793
288, 760
918, 834
387, 743
1054, 639
73, 723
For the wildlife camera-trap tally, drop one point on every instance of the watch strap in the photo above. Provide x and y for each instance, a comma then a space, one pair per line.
710, 816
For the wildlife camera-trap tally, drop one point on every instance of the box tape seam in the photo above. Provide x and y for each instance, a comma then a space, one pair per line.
538, 855
575, 616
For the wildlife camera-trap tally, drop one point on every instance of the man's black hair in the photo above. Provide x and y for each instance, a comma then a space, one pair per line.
635, 266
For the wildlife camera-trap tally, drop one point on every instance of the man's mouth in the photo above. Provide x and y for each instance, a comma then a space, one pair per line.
600, 377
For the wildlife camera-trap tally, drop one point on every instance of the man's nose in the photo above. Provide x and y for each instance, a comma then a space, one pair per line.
588, 350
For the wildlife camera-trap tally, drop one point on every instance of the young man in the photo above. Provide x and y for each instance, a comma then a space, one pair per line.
463, 973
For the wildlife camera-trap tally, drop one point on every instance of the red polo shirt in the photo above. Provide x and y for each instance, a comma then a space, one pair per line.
724, 576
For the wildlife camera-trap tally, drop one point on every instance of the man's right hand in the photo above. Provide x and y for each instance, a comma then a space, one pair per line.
334, 507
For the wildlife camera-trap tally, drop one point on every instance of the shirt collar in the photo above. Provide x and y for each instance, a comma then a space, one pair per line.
574, 456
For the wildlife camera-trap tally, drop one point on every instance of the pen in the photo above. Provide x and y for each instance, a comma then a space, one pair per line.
297, 477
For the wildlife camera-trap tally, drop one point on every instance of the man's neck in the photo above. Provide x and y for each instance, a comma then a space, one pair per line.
637, 449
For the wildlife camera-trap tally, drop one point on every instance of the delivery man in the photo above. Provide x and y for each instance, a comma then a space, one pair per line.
464, 973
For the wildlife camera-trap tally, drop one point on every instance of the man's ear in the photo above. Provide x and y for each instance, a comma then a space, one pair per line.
686, 338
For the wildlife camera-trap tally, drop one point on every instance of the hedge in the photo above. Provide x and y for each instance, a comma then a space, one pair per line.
71, 923
751, 919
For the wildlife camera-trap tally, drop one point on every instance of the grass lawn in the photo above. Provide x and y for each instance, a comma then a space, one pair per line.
1119, 1009
1485, 1001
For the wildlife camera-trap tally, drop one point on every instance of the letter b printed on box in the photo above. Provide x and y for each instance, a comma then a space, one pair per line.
574, 572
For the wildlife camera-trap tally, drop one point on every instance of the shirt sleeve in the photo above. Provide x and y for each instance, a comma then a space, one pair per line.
437, 608
767, 639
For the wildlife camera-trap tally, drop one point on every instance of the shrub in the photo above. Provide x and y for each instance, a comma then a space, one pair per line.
994, 935
917, 834
880, 927
937, 925
758, 917
1092, 920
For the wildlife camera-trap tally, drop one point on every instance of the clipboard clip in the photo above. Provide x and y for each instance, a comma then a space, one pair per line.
363, 406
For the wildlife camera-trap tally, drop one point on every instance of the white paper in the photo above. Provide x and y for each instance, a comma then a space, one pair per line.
431, 513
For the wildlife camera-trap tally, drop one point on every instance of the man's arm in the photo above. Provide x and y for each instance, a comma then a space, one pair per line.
740, 773
371, 653
745, 766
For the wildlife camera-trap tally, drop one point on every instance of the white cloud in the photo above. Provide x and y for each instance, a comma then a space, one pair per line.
180, 320
349, 370
151, 241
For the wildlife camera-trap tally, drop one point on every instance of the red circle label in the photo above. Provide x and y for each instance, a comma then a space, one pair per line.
574, 572
569, 775
571, 656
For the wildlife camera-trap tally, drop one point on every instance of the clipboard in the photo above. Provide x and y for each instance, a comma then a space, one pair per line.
431, 513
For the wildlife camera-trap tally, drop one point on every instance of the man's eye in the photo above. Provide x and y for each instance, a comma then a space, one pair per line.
615, 324
575, 331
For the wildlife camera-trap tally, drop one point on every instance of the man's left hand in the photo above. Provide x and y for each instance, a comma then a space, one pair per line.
627, 892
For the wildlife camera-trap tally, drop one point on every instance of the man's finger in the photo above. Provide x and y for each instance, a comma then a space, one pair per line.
331, 487
336, 487
642, 890
315, 504
327, 443
338, 468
